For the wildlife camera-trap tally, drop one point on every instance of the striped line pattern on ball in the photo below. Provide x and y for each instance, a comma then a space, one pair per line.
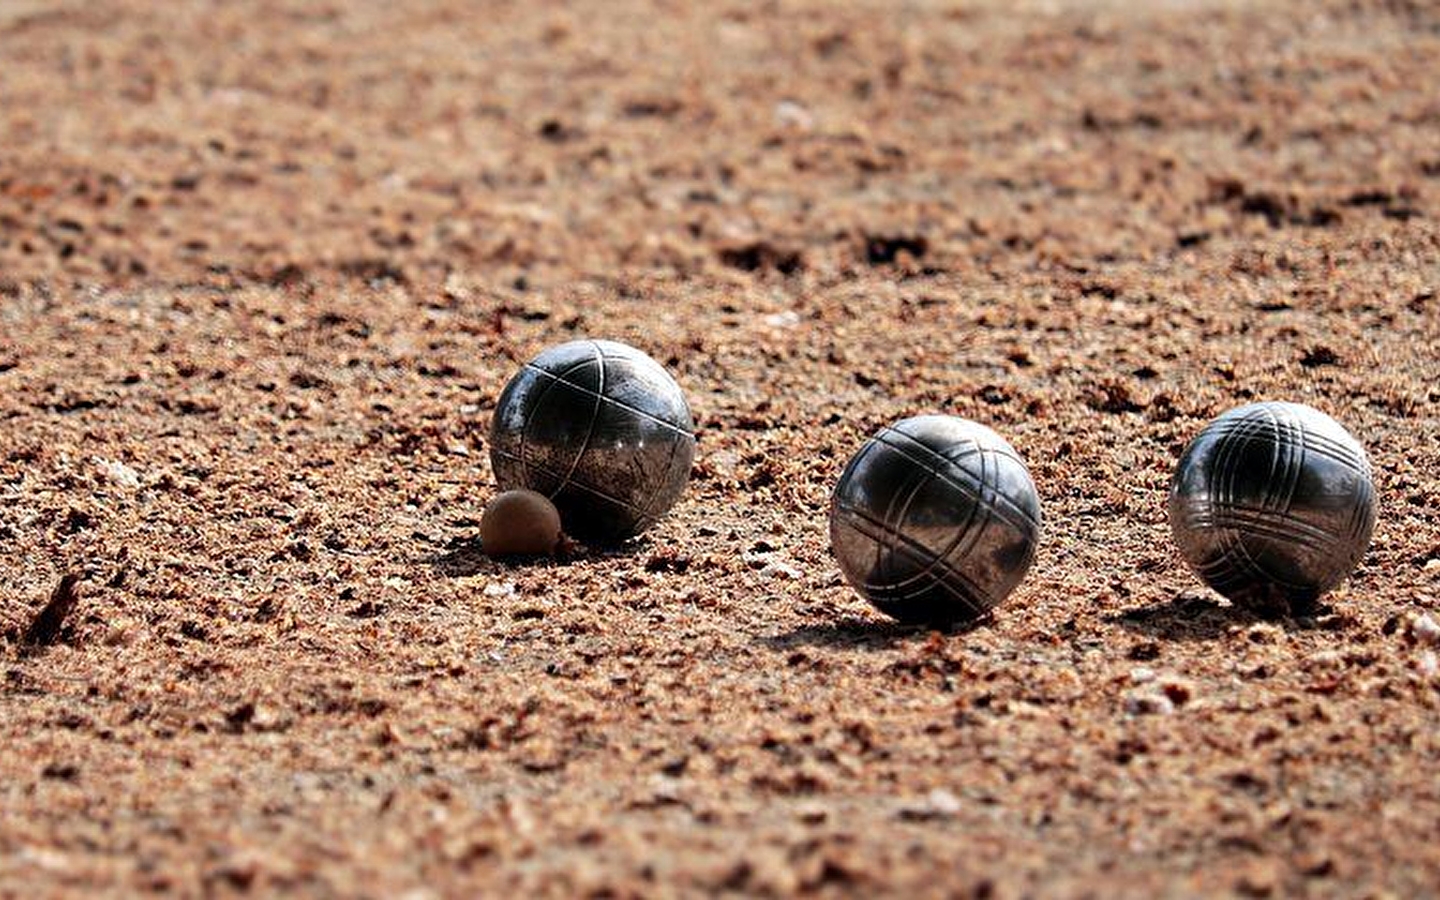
1273, 503
941, 534
599, 428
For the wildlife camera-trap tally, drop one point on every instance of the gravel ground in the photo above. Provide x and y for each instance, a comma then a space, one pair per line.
265, 267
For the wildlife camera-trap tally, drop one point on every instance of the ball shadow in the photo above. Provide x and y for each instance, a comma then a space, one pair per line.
857, 633
466, 557
463, 559
1192, 617
1185, 617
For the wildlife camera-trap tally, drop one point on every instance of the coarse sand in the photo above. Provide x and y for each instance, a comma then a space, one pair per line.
264, 268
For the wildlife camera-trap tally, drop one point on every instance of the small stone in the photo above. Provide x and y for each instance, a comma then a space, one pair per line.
1425, 630
787, 319
1264, 633
1141, 675
943, 802
118, 473
1428, 664
938, 804
120, 634
1324, 659
777, 569
1148, 702
500, 589
789, 114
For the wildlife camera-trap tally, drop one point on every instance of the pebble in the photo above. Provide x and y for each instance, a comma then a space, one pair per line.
787, 319
118, 473
1324, 659
1429, 664
938, 804
1426, 630
777, 569
1142, 703
789, 114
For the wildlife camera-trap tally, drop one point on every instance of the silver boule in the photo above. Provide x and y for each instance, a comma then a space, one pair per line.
935, 520
602, 430
1272, 505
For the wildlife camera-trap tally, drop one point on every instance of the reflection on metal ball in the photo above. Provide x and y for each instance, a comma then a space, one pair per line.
1272, 505
935, 520
602, 430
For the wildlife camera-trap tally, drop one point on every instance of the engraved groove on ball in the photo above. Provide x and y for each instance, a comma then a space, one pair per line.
1272, 505
965, 530
895, 525
935, 519
601, 429
561, 378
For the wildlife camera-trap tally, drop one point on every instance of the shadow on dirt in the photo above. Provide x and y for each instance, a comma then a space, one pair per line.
1190, 617
857, 633
1186, 617
465, 557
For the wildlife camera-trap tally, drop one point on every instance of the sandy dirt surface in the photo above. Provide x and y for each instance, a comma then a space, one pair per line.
265, 267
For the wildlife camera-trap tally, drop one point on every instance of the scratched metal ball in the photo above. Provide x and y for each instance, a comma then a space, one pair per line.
1272, 505
935, 520
602, 430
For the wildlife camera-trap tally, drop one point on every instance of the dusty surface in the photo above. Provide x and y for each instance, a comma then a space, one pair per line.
264, 269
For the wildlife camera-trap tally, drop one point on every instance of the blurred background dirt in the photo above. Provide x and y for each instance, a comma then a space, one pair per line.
264, 268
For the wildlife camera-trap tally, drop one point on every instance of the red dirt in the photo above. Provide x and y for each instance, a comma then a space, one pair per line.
277, 260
